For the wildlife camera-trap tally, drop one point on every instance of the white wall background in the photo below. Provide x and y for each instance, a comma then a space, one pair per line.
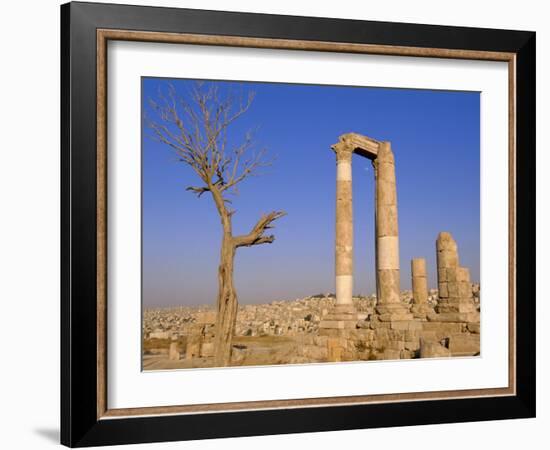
29, 224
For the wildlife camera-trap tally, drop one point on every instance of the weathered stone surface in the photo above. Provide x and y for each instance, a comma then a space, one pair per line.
362, 145
174, 352
429, 349
160, 335
388, 285
421, 311
419, 281
447, 258
455, 306
387, 191
193, 347
452, 287
207, 349
344, 224
418, 267
388, 221
390, 353
463, 274
335, 348
457, 317
464, 344
387, 232
465, 289
338, 324
406, 325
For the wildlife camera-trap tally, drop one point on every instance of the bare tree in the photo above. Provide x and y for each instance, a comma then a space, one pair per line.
195, 126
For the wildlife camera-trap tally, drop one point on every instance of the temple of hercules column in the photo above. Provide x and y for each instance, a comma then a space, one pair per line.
389, 307
419, 278
455, 303
392, 328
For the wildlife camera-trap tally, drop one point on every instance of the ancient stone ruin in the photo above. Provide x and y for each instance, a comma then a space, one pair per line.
391, 325
397, 329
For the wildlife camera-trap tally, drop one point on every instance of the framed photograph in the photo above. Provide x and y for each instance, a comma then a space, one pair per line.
276, 224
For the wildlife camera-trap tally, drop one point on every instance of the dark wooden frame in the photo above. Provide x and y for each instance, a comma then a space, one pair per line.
85, 418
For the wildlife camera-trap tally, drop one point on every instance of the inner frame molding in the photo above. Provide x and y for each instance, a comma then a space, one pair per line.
105, 35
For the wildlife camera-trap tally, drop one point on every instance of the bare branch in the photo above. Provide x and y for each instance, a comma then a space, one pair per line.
195, 126
198, 190
256, 236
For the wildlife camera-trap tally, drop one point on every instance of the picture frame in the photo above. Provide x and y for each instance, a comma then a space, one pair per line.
86, 418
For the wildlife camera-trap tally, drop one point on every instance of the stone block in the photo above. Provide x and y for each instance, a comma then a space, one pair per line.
418, 267
465, 289
427, 335
329, 332
388, 282
447, 258
411, 335
412, 345
442, 327
387, 220
207, 349
193, 347
473, 328
461, 317
366, 335
238, 355
443, 290
382, 333
343, 309
320, 340
160, 335
451, 274
395, 317
340, 317
430, 349
452, 286
463, 274
174, 352
376, 324
315, 352
335, 347
441, 275
400, 325
456, 306
464, 344
386, 192
391, 354
338, 324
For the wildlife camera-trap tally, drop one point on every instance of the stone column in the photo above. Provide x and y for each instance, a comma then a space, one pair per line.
174, 351
344, 226
453, 282
420, 308
387, 238
447, 259
419, 281
342, 319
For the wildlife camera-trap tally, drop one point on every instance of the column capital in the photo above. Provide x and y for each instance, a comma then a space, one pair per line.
385, 153
343, 151
357, 143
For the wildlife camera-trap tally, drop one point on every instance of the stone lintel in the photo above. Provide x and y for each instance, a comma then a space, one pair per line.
362, 145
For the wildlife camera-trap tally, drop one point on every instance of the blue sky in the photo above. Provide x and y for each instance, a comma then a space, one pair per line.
435, 138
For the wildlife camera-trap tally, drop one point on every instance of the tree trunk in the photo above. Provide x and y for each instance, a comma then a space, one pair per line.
227, 303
